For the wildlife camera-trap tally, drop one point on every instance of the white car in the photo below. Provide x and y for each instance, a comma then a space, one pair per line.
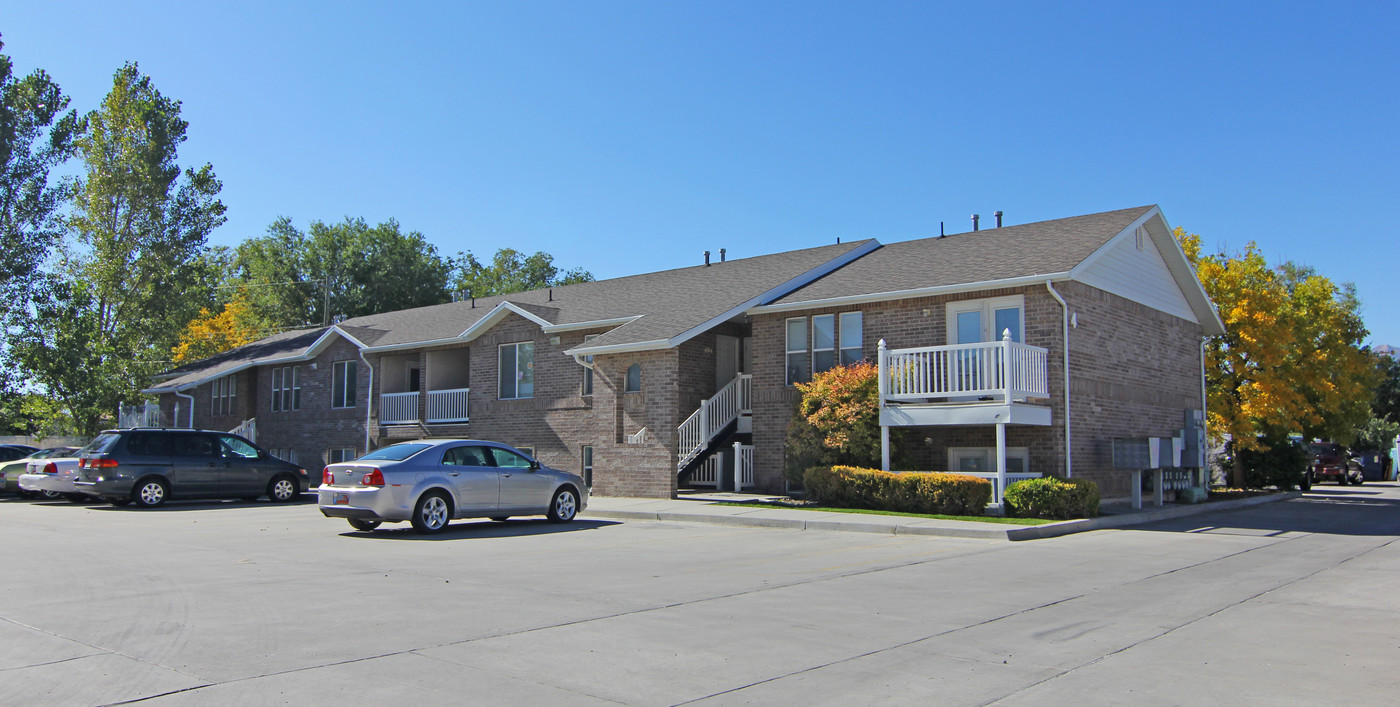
53, 479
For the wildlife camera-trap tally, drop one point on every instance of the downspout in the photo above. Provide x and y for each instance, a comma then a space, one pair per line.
1205, 429
369, 398
191, 399
1064, 307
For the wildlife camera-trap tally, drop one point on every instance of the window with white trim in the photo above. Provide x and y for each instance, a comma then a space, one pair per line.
286, 388
984, 459
799, 368
517, 371
974, 321
222, 395
830, 340
852, 337
587, 466
285, 454
633, 382
343, 383
823, 342
336, 455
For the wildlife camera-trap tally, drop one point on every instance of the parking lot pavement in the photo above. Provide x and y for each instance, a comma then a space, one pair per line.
214, 603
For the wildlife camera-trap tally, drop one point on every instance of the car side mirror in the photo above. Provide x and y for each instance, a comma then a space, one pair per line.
534, 465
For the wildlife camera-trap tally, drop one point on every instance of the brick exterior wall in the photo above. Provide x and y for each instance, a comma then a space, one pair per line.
1134, 370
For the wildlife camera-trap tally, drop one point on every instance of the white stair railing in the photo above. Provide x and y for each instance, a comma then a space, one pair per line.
712, 417
247, 430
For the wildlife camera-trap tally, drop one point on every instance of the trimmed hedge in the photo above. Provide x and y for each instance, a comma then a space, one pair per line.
908, 492
1052, 498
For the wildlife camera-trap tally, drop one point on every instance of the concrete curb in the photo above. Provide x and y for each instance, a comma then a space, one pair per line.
899, 525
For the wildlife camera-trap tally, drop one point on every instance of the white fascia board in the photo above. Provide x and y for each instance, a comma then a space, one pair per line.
495, 315
299, 358
595, 324
1025, 281
388, 348
324, 340
1177, 265
620, 348
773, 293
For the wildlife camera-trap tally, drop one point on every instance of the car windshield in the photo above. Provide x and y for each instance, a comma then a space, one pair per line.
396, 452
100, 444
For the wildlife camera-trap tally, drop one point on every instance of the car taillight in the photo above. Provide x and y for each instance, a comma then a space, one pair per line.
98, 463
374, 478
50, 468
327, 476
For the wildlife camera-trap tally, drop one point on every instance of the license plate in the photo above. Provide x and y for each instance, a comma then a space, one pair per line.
342, 499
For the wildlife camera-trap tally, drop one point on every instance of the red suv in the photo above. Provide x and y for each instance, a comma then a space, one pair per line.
1330, 462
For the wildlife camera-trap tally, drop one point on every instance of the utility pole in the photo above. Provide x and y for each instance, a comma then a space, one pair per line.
326, 312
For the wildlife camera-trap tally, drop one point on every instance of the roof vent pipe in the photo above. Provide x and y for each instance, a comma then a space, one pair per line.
707, 258
551, 294
721, 255
974, 221
940, 230
998, 215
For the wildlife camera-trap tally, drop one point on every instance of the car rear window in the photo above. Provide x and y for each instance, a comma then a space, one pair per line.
100, 444
396, 452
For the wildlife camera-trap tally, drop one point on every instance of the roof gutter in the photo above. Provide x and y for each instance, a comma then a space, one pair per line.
1024, 281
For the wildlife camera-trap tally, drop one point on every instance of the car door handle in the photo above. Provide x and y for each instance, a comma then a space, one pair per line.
505, 476
453, 473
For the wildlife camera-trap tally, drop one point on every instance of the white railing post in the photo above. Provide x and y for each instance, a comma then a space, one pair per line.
1006, 365
884, 385
704, 421
738, 467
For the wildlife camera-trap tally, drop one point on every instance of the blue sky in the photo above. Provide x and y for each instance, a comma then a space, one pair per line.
629, 137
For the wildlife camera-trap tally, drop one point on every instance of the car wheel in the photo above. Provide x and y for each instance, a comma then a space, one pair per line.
564, 506
283, 489
500, 519
1306, 483
1358, 479
431, 513
150, 493
50, 495
363, 525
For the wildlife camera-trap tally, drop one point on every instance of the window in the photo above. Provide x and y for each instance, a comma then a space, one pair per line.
237, 447
588, 369
973, 321
798, 365
222, 393
509, 460
587, 466
527, 451
633, 384
466, 456
286, 455
852, 338
834, 340
343, 384
335, 455
517, 371
286, 388
984, 459
823, 342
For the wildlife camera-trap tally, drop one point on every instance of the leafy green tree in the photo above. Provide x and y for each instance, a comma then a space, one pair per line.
136, 232
512, 271
370, 269
1386, 404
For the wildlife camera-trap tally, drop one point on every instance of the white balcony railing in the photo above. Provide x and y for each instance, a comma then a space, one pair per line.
398, 408
448, 405
997, 369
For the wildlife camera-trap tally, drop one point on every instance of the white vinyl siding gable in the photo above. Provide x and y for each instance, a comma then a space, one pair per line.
1138, 275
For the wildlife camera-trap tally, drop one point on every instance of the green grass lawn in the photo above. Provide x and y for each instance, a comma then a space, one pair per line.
833, 509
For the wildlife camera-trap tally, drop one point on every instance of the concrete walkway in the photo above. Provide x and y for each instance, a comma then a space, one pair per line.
710, 508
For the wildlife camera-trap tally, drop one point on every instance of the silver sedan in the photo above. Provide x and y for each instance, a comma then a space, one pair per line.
431, 482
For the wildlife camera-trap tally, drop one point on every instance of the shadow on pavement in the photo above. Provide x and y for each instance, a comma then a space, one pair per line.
1339, 510
471, 530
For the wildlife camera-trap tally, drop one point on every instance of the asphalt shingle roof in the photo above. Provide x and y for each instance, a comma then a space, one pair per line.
1040, 248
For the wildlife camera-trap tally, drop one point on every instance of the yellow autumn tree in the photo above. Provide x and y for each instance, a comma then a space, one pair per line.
210, 333
1291, 360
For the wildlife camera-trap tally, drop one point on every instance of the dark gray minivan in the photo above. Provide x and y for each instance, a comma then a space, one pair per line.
149, 466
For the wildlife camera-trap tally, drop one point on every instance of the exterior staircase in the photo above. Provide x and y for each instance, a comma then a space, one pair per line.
728, 405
